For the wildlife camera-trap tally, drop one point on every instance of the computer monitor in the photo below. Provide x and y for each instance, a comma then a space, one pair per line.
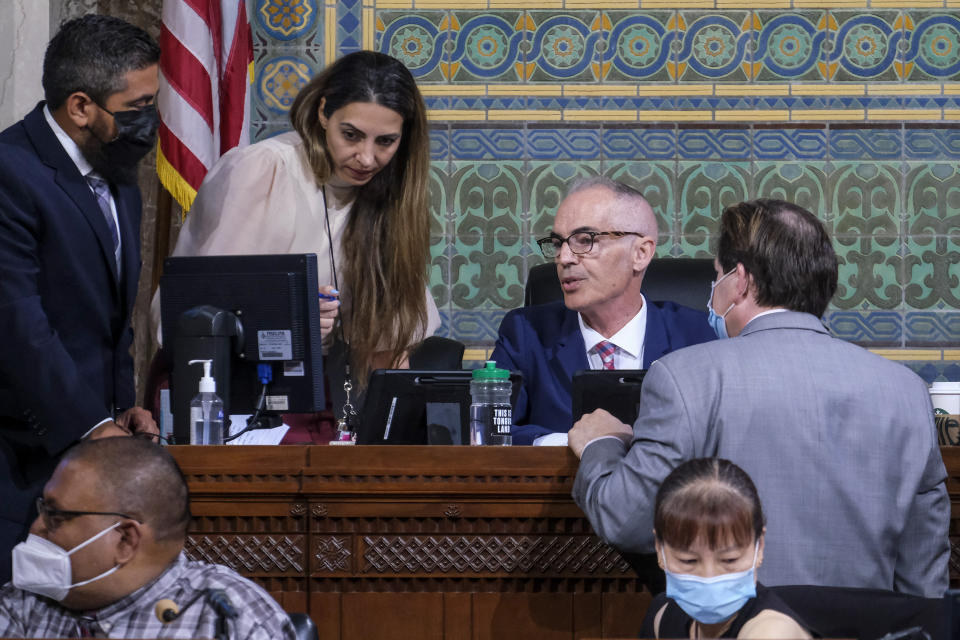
419, 407
617, 391
243, 311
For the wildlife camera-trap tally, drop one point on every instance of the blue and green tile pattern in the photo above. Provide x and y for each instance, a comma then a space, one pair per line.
852, 112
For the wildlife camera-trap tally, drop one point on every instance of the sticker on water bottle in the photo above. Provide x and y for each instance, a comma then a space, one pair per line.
490, 423
502, 417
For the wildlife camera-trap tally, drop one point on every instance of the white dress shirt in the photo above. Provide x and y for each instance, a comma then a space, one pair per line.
83, 166
628, 341
629, 355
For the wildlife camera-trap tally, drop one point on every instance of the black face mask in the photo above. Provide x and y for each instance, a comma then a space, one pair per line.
117, 159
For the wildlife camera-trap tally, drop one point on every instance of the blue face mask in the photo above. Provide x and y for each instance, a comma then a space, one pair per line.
712, 600
716, 320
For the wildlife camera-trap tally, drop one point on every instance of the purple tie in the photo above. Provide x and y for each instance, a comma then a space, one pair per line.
606, 351
102, 191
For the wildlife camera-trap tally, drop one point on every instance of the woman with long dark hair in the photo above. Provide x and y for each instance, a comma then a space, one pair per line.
349, 184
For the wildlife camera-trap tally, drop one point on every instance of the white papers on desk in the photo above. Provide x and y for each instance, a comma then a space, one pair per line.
257, 436
551, 440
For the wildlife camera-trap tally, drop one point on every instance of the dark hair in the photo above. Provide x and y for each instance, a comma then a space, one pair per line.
708, 498
141, 480
387, 238
785, 249
92, 54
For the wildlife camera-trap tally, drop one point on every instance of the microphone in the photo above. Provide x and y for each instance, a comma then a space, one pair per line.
221, 603
166, 610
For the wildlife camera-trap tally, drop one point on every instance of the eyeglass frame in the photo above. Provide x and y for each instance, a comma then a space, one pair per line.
43, 509
593, 240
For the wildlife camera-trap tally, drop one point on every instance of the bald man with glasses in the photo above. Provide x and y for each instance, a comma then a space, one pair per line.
603, 238
105, 558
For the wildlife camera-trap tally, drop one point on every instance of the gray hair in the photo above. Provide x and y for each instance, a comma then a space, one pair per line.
629, 202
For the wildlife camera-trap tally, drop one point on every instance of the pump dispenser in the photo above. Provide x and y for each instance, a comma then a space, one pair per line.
206, 410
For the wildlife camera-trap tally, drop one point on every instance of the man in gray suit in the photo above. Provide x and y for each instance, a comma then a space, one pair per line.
840, 442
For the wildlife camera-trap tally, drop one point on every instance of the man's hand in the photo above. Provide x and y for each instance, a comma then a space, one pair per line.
131, 421
108, 429
329, 308
138, 420
595, 425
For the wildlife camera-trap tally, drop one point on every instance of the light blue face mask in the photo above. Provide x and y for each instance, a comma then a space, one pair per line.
717, 322
712, 600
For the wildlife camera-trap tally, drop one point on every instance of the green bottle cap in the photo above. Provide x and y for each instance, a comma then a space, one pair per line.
490, 372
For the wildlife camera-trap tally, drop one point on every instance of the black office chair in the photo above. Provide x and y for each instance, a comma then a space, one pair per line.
866, 614
437, 354
846, 612
304, 627
685, 281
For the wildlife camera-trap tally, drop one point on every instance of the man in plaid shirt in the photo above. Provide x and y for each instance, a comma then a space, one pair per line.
108, 546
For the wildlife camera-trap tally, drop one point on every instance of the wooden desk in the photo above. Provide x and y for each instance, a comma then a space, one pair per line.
423, 542
412, 542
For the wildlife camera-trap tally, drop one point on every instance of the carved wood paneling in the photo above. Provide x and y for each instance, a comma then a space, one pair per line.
489, 530
250, 554
331, 554
565, 556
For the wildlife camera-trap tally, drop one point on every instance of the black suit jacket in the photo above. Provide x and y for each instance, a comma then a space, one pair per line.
65, 331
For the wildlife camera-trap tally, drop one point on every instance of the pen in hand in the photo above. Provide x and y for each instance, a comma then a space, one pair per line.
324, 296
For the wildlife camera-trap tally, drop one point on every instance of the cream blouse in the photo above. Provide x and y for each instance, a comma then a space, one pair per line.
262, 199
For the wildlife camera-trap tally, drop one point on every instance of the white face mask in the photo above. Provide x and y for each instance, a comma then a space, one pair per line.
42, 567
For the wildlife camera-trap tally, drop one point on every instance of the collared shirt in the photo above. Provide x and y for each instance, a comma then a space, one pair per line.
85, 169
628, 341
767, 312
26, 615
83, 166
629, 355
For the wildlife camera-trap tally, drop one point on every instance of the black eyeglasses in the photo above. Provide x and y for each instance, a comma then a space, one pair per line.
580, 242
53, 518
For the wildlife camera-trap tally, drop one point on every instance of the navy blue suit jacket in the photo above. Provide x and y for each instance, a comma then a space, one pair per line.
545, 344
65, 331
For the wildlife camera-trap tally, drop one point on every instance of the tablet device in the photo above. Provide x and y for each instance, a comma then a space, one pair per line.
419, 407
617, 391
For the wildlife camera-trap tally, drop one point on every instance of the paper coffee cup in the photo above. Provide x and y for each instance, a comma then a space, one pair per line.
946, 396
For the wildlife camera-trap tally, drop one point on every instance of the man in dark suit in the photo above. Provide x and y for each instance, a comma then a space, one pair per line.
69, 257
603, 238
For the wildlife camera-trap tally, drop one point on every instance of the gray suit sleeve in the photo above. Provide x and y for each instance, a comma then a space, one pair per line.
616, 486
923, 553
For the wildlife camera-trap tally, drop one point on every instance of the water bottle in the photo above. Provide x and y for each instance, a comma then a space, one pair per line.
491, 415
206, 410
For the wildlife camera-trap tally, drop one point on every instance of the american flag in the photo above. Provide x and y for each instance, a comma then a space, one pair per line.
206, 65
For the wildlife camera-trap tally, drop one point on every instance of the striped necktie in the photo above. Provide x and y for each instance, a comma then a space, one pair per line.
102, 191
606, 350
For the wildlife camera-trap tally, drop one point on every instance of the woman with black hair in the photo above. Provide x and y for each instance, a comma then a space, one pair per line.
709, 528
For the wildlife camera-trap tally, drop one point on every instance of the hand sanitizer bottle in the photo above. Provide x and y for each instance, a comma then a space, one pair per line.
206, 410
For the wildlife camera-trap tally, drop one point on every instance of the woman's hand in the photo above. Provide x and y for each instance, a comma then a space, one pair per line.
329, 308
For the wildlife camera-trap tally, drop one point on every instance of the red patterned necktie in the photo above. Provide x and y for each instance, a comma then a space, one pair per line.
606, 350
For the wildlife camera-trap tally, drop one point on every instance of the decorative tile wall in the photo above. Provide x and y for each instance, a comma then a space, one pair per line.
852, 112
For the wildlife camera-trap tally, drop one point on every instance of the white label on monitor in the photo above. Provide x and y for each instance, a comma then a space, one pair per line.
277, 403
293, 368
275, 344
393, 406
